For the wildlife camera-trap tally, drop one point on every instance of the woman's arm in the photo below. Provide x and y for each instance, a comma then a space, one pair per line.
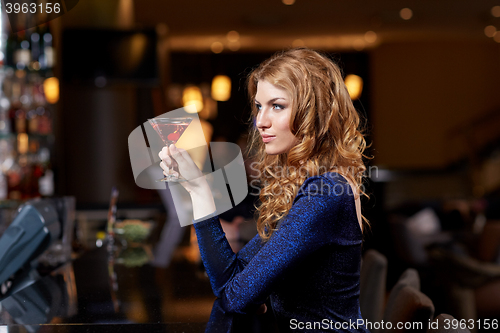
309, 225
204, 209
203, 201
219, 259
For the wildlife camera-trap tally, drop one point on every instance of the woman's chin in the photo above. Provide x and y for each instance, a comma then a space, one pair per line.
271, 151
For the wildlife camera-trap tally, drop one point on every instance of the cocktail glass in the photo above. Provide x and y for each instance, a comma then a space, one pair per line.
170, 130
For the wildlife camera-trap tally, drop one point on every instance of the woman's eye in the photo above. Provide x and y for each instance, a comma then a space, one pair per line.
278, 106
258, 106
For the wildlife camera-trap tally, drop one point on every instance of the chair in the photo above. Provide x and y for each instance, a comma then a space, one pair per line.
412, 235
408, 307
441, 322
408, 247
462, 277
487, 297
372, 285
410, 278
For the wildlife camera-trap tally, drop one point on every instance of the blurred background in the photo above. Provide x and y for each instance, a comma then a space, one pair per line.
424, 74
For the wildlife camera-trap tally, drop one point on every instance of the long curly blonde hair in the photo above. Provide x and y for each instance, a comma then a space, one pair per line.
324, 121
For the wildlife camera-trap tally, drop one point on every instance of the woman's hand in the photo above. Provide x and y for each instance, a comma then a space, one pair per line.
173, 159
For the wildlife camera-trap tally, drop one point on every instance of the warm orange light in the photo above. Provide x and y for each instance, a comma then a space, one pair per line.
490, 31
22, 143
217, 47
51, 89
192, 96
358, 44
495, 11
233, 36
406, 13
221, 88
370, 37
354, 86
234, 46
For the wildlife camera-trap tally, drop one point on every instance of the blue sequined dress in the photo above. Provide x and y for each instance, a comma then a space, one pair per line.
309, 268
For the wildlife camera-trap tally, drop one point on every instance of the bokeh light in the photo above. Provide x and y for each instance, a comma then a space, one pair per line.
233, 36
354, 84
298, 43
495, 11
221, 88
490, 31
406, 13
217, 47
370, 37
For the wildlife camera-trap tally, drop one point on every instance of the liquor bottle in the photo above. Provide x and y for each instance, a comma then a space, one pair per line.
11, 47
22, 55
38, 171
35, 170
3, 186
22, 112
14, 178
16, 173
31, 115
44, 120
42, 30
46, 182
4, 117
35, 50
47, 54
5, 159
15, 105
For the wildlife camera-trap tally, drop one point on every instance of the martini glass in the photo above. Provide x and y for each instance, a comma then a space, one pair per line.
170, 130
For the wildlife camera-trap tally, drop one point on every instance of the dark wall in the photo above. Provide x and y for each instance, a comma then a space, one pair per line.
96, 122
197, 68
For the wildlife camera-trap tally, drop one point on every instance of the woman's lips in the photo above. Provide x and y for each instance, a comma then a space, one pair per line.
267, 139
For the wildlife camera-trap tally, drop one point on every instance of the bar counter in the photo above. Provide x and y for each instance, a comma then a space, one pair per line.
96, 293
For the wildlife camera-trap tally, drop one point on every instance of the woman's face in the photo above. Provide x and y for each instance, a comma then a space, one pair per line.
273, 118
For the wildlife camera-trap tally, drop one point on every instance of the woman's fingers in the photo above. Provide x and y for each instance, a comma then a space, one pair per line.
178, 154
165, 157
167, 164
164, 167
163, 154
168, 171
178, 161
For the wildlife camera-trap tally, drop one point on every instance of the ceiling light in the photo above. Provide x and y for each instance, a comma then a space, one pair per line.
51, 89
358, 44
490, 31
495, 11
406, 13
217, 47
370, 36
234, 46
192, 96
221, 88
288, 2
354, 85
233, 36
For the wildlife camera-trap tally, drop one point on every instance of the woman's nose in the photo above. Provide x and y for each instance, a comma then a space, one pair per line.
262, 120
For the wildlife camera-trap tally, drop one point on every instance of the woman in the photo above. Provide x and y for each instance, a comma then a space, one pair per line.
307, 254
